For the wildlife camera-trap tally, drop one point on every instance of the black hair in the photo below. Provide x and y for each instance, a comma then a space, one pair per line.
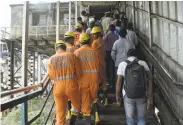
83, 13
61, 46
68, 39
117, 16
108, 14
118, 23
132, 52
78, 30
111, 27
130, 26
123, 32
86, 42
79, 19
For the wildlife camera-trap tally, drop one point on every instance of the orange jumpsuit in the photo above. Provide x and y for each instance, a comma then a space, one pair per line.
71, 48
89, 81
76, 38
98, 45
62, 69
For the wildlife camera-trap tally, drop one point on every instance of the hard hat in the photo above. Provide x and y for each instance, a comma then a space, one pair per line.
59, 42
91, 20
79, 25
96, 29
83, 37
69, 34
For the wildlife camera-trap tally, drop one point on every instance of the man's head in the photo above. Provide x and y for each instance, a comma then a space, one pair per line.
79, 27
130, 26
60, 45
79, 19
108, 14
96, 32
123, 32
83, 13
117, 16
118, 23
132, 52
69, 37
84, 39
111, 27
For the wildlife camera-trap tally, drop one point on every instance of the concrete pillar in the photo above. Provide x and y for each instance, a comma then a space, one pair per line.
25, 58
69, 15
76, 11
58, 22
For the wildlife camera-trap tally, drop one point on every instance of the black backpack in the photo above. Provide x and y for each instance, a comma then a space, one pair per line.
135, 80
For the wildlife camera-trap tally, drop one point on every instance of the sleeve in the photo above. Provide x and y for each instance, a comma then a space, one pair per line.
143, 63
121, 68
113, 52
50, 70
77, 67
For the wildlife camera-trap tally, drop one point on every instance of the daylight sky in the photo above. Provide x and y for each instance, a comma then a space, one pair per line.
5, 10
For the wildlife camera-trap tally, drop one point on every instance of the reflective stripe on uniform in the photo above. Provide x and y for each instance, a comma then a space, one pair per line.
90, 70
64, 77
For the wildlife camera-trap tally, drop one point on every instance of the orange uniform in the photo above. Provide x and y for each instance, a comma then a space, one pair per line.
71, 48
89, 81
76, 38
98, 45
62, 69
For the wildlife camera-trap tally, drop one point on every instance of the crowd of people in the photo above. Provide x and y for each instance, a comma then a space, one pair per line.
97, 54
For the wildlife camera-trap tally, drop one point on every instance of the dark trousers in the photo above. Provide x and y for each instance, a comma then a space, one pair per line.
110, 68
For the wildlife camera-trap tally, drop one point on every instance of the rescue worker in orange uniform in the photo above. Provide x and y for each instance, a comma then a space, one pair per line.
89, 81
69, 41
98, 45
63, 69
77, 32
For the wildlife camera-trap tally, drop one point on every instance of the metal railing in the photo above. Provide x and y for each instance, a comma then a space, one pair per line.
37, 90
34, 31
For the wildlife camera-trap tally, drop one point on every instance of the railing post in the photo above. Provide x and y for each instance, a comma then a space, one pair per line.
58, 22
12, 65
150, 24
25, 58
39, 67
76, 11
69, 15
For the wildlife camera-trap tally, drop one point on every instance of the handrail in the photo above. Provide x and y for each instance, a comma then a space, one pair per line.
28, 88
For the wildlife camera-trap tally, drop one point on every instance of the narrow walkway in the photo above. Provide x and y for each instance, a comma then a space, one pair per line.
113, 115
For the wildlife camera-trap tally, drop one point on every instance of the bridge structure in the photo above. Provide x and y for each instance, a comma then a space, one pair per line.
159, 27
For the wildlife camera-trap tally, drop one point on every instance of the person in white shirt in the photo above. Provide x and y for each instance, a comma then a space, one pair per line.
84, 17
106, 21
131, 35
133, 104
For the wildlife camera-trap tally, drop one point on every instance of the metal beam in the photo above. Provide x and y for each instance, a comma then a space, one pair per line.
39, 67
69, 15
12, 65
134, 18
25, 58
58, 21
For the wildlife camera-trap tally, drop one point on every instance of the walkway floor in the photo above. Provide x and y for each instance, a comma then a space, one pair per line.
114, 115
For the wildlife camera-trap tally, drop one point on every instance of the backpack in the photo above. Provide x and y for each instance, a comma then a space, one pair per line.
135, 80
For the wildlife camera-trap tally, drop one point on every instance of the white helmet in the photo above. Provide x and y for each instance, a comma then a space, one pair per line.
91, 20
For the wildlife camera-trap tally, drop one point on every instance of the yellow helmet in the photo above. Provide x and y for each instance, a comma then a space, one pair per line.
96, 29
83, 37
59, 42
69, 34
79, 25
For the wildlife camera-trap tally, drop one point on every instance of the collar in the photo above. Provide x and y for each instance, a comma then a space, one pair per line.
132, 57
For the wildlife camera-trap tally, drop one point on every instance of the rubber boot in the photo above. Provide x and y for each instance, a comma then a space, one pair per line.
68, 117
73, 119
87, 119
106, 99
97, 118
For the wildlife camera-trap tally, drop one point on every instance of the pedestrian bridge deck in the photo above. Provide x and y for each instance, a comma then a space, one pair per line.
115, 115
